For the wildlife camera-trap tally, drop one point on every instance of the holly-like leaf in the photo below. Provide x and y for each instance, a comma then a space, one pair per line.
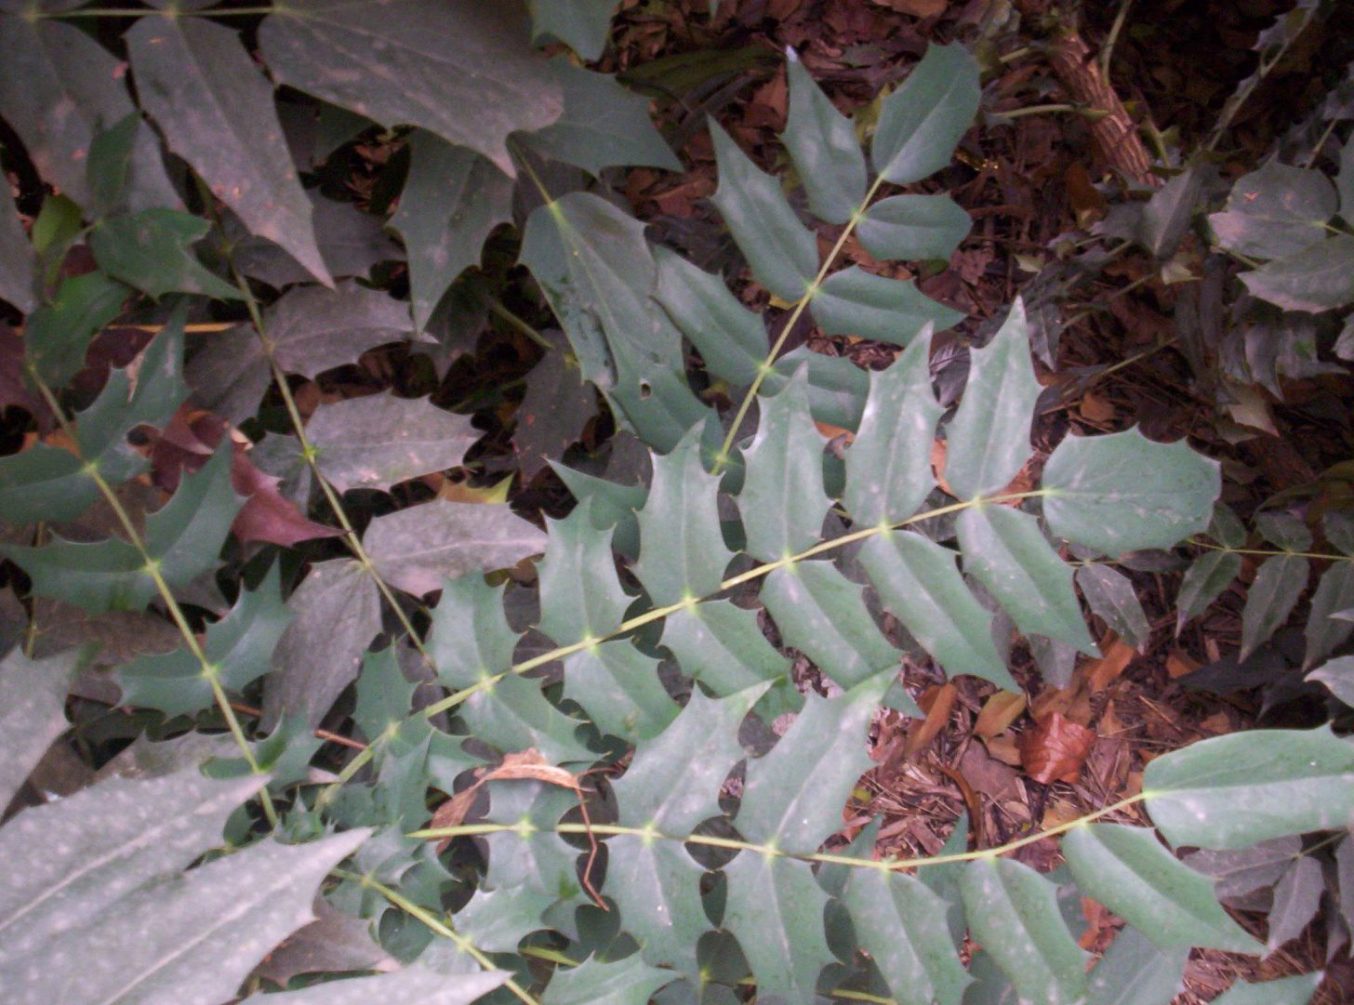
184, 536
855, 302
452, 199
52, 64
1318, 278
1127, 870
620, 689
554, 411
314, 329
583, 25
1285, 991
913, 227
730, 338
989, 437
1205, 579
32, 711
781, 251
1297, 896
1338, 676
1232, 791
239, 646
680, 511
458, 69
920, 585
163, 941
822, 613
792, 797
1324, 632
581, 595
783, 500
410, 984
417, 547
152, 252
337, 612
1005, 550
921, 123
333, 943
1122, 492
603, 125
1110, 594
44, 483
374, 441
1135, 972
721, 646
823, 146
1273, 594
1013, 912
627, 982
1275, 211
888, 468
58, 334
215, 108
895, 919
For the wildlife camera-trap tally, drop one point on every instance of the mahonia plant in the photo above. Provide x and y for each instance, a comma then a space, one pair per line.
596, 831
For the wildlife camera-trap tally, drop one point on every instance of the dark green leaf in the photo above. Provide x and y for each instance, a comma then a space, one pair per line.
781, 252
215, 108
792, 797
583, 25
1128, 870
44, 483
1005, 550
1013, 913
1273, 594
1111, 595
721, 646
184, 537
1210, 574
416, 548
457, 68
451, 202
888, 468
1319, 278
1296, 899
239, 646
921, 123
581, 596
104, 576
110, 163
681, 552
730, 338
619, 688
375, 441
1122, 492
337, 612
152, 252
52, 65
920, 586
1275, 211
783, 500
629, 982
1232, 791
823, 145
855, 302
822, 613
988, 439
913, 227
895, 917
32, 713
59, 333
471, 639
603, 125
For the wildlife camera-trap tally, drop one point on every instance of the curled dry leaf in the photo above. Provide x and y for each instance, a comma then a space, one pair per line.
1055, 749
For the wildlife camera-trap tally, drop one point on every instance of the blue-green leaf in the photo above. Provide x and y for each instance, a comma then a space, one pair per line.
823, 145
58, 334
721, 646
627, 982
583, 25
1284, 991
1111, 595
921, 123
775, 909
1273, 594
619, 688
855, 302
913, 227
581, 596
781, 251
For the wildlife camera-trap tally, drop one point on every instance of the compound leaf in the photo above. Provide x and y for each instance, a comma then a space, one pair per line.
781, 252
1318, 278
374, 441
108, 575
581, 596
1127, 870
1274, 211
458, 69
988, 439
855, 302
1285, 991
1205, 579
452, 200
1111, 595
627, 982
583, 25
417, 547
58, 333
1273, 594
823, 146
215, 108
1005, 550
1122, 492
1334, 593
1013, 913
721, 646
920, 123
184, 536
1232, 791
913, 227
314, 329
888, 468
